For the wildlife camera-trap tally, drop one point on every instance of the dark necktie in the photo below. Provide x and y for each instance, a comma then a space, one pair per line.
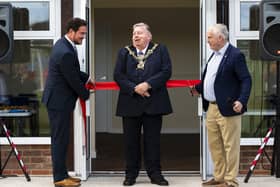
75, 49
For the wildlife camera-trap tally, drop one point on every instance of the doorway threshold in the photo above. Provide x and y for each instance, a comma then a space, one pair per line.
143, 173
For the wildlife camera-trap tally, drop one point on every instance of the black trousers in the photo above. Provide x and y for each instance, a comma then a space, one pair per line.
60, 130
151, 139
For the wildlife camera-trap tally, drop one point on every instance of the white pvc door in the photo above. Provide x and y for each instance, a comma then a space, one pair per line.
82, 138
208, 17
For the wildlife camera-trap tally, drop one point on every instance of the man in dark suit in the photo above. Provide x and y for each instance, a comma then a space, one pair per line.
225, 88
65, 83
141, 72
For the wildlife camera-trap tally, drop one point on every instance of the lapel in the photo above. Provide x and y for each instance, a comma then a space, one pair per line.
133, 49
69, 45
211, 56
150, 46
224, 59
71, 48
206, 65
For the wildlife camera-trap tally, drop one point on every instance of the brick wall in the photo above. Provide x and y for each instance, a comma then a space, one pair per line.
247, 155
37, 159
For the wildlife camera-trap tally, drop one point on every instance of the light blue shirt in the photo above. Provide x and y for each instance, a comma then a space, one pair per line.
212, 69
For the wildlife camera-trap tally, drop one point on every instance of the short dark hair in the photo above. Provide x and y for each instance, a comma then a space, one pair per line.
75, 24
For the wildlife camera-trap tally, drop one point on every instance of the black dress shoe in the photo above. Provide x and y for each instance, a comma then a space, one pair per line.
129, 181
159, 181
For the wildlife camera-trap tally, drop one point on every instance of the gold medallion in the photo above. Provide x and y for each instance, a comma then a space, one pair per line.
142, 58
141, 65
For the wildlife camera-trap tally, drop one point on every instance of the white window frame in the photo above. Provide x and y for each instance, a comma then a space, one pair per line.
54, 12
237, 31
53, 34
234, 23
235, 35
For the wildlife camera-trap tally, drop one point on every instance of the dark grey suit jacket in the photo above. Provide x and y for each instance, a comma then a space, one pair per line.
65, 82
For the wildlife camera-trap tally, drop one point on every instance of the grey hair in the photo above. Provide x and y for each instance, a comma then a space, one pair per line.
220, 29
146, 26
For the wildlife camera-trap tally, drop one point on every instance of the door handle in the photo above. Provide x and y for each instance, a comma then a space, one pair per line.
103, 78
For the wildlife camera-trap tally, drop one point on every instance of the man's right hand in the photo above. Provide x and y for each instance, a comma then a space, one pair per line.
142, 89
193, 91
91, 81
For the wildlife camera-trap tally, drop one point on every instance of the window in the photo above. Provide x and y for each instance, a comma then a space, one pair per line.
262, 99
245, 35
33, 16
35, 31
249, 16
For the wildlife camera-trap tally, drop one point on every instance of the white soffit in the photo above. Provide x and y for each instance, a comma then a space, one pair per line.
145, 4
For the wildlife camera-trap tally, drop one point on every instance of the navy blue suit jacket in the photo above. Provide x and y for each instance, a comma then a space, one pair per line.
157, 72
233, 82
65, 82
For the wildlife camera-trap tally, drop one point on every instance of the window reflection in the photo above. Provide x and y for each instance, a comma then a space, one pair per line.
249, 16
261, 106
22, 81
31, 16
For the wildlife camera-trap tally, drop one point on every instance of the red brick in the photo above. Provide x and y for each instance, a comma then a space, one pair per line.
41, 172
37, 159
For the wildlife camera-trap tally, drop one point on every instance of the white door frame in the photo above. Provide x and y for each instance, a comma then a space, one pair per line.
82, 166
82, 139
208, 17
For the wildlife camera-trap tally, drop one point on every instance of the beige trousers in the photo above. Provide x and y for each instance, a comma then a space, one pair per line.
224, 142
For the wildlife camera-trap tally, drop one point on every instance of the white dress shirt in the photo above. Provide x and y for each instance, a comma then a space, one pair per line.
211, 72
71, 42
143, 51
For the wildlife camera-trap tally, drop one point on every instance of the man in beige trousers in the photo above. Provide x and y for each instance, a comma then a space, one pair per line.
225, 88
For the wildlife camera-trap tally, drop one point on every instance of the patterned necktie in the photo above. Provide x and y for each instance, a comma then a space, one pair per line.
140, 59
140, 53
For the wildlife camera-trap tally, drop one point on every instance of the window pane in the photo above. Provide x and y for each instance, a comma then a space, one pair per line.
22, 83
249, 16
32, 16
261, 106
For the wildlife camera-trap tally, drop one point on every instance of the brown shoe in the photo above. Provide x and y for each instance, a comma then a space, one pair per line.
225, 185
212, 182
66, 183
77, 180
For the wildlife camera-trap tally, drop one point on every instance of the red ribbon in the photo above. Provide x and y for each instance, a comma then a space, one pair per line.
114, 86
